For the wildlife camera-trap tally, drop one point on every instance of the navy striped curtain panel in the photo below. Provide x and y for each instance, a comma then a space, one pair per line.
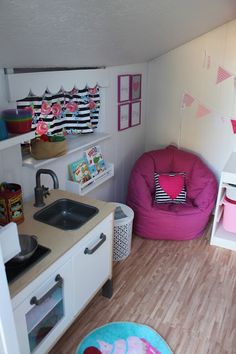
66, 112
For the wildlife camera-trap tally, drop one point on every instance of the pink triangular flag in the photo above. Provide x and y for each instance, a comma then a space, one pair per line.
222, 75
233, 122
202, 111
187, 100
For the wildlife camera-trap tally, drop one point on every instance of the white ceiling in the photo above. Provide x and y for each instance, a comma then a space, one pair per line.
76, 33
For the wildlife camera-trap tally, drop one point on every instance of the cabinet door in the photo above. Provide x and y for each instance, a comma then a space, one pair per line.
92, 264
42, 317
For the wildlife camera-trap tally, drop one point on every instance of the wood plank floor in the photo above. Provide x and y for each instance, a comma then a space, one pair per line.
184, 290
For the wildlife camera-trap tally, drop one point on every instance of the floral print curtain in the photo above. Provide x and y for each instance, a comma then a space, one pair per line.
66, 112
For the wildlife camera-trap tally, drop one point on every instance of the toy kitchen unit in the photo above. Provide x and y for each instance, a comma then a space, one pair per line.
71, 261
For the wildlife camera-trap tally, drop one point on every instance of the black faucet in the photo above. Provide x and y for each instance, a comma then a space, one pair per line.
41, 191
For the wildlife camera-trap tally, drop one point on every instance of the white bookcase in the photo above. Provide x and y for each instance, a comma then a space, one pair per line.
104, 176
220, 237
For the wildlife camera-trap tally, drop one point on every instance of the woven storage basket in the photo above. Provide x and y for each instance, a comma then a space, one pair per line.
41, 150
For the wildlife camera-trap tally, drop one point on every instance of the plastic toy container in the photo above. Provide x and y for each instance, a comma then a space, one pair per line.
229, 215
123, 226
18, 121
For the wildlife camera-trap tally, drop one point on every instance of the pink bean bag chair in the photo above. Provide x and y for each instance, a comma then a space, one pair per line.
171, 221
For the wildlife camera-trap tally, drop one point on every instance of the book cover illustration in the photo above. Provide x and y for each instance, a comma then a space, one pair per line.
95, 161
79, 171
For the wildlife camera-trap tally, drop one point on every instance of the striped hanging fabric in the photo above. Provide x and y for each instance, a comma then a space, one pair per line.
66, 112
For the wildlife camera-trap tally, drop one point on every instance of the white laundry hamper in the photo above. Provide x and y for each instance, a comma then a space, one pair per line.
123, 226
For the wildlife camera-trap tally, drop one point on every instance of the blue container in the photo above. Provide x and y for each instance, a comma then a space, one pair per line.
3, 130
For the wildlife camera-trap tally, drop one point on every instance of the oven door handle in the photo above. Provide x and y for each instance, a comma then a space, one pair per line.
102, 240
59, 284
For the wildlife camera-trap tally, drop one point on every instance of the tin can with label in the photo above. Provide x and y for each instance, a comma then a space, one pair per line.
11, 204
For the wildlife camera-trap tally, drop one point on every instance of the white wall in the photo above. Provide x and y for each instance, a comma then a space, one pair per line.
10, 159
182, 70
126, 146
122, 148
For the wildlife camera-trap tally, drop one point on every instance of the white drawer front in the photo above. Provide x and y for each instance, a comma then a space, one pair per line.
92, 264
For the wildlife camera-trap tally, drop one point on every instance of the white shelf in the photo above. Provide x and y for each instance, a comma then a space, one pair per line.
223, 238
75, 143
222, 196
75, 187
219, 236
229, 171
220, 213
16, 139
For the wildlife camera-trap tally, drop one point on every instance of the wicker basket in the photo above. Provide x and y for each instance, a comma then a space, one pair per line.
41, 150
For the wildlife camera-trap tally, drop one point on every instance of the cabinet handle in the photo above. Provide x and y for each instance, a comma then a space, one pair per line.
59, 284
102, 240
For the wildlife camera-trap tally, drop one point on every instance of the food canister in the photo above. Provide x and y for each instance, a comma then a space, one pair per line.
11, 204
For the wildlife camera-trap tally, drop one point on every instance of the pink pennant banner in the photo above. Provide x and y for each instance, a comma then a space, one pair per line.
187, 100
233, 122
222, 75
202, 111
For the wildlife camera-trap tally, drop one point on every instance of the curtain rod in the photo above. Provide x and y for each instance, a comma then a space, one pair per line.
36, 70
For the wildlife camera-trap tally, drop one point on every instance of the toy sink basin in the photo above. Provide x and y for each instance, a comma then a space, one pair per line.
66, 214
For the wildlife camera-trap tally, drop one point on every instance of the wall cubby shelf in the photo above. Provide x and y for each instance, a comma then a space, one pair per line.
16, 139
75, 187
75, 143
219, 236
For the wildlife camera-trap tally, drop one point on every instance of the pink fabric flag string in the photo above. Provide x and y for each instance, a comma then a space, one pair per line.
222, 75
187, 100
202, 111
233, 122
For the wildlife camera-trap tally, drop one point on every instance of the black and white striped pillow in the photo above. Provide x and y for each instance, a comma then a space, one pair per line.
169, 192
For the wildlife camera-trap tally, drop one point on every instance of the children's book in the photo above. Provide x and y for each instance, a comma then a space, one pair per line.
79, 171
95, 161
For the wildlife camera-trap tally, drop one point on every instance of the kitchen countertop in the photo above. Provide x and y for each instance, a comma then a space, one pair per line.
59, 241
